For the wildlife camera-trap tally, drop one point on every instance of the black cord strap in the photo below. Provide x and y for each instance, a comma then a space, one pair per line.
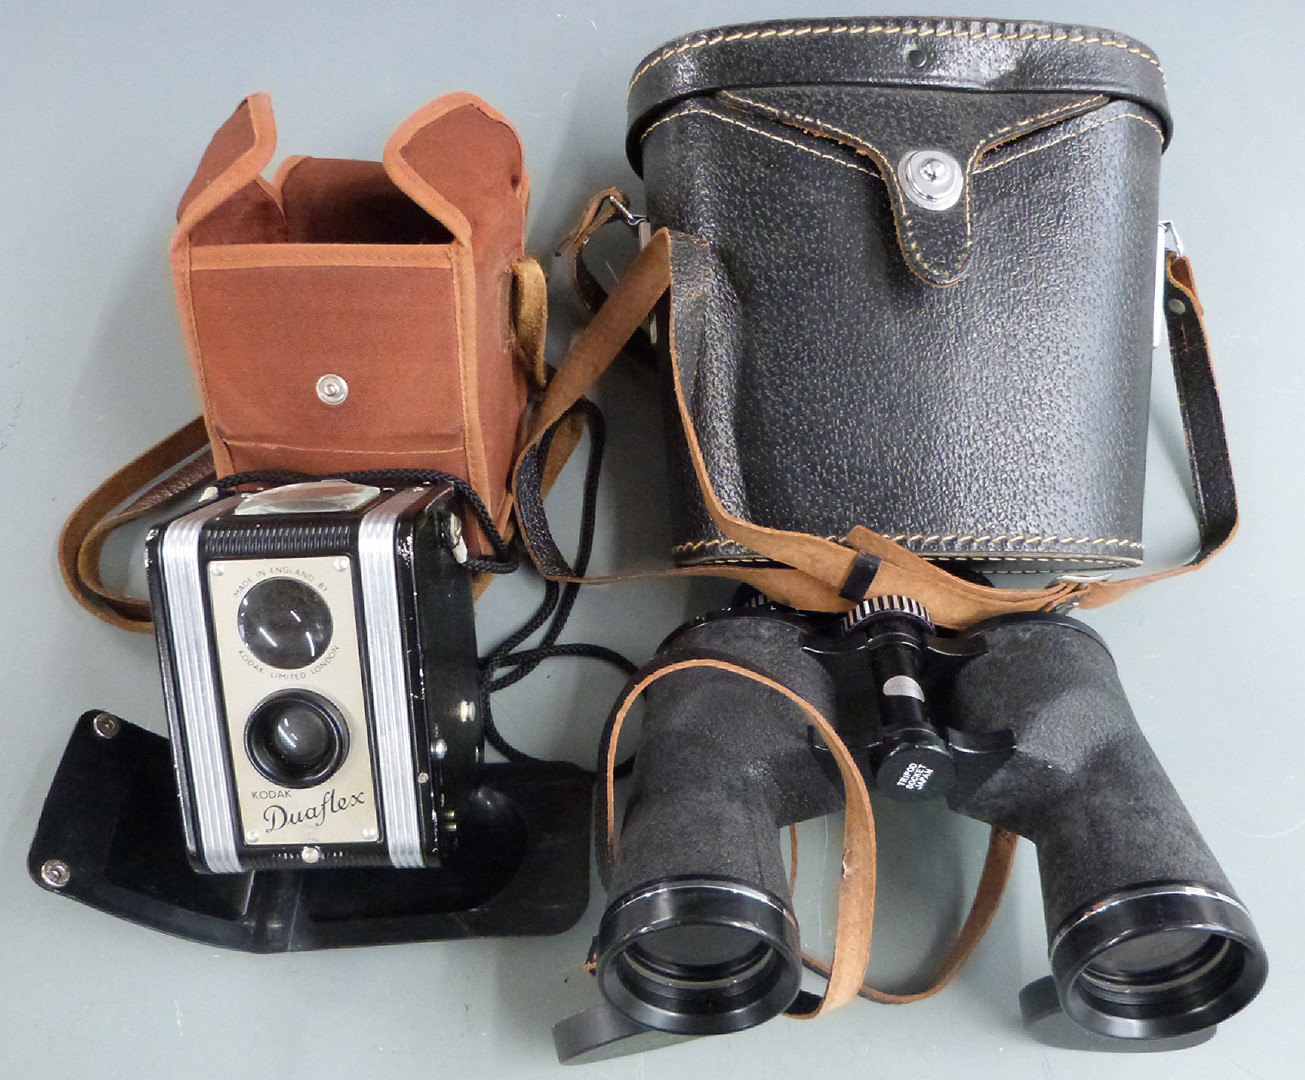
555, 606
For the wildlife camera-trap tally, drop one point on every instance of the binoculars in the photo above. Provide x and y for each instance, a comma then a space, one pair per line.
1019, 722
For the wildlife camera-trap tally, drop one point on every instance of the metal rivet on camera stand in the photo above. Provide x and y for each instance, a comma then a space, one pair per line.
332, 389
106, 726
311, 854
55, 873
931, 178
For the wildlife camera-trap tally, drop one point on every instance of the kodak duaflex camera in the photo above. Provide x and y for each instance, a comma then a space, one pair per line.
324, 708
319, 665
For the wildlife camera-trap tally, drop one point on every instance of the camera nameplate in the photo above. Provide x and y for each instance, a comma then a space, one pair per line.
342, 808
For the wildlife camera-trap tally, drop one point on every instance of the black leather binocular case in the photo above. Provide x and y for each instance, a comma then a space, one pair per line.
915, 282
1020, 723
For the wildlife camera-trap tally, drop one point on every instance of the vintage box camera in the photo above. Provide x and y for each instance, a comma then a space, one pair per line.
319, 665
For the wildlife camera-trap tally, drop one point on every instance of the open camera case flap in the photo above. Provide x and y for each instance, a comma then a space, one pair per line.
397, 278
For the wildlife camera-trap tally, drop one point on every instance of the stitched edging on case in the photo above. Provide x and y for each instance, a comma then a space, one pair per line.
697, 110
859, 144
928, 30
938, 538
1002, 162
325, 256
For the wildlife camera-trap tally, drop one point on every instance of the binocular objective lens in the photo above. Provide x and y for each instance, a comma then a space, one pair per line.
285, 623
1157, 962
699, 956
1142, 959
296, 738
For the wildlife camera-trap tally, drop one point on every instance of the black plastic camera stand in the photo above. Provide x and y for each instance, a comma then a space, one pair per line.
110, 836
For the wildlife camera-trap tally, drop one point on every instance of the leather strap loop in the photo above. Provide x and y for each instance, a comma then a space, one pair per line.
1203, 430
600, 211
856, 891
530, 318
88, 527
812, 572
997, 866
856, 898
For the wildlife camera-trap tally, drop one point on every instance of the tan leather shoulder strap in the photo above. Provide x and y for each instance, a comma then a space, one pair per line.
856, 896
816, 573
997, 866
82, 540
856, 890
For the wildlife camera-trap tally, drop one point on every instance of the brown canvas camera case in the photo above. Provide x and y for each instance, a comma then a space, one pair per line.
356, 315
344, 316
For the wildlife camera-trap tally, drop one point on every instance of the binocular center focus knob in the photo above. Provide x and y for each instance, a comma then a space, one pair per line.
913, 764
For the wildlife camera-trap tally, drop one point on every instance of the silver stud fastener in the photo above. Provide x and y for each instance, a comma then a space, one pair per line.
931, 178
311, 854
457, 542
332, 389
106, 726
441, 749
55, 873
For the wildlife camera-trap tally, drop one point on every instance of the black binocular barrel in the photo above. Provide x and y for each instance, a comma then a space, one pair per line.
699, 935
1147, 938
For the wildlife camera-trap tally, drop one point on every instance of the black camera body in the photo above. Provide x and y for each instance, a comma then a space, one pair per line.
319, 665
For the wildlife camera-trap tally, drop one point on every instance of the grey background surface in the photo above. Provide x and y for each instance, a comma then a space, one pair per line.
104, 111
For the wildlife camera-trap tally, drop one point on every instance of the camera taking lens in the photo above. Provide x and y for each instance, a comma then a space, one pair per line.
296, 738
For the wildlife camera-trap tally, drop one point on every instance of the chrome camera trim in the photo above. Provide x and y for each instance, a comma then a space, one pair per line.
387, 668
197, 686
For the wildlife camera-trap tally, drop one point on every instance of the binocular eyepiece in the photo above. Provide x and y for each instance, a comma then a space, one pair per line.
1020, 723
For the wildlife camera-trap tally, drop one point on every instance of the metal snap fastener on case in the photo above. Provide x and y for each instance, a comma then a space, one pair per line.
332, 389
931, 178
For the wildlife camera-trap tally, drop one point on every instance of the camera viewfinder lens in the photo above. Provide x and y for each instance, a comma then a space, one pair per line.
285, 623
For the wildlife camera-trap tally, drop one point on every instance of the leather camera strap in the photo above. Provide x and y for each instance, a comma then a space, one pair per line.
606, 207
161, 472
816, 573
856, 890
